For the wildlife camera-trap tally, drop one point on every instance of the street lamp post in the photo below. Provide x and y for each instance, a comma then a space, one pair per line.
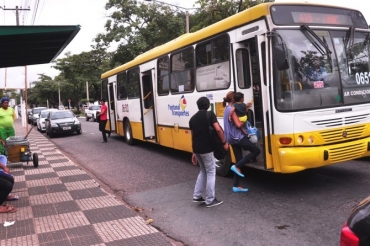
59, 93
186, 11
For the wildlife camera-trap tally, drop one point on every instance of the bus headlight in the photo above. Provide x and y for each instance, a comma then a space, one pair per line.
300, 139
311, 139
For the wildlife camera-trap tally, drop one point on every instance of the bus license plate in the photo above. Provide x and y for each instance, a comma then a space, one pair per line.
67, 128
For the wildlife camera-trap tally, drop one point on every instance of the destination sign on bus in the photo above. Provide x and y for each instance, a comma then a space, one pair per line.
302, 14
321, 18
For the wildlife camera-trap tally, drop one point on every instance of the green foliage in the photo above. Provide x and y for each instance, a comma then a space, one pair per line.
41, 91
76, 70
11, 94
212, 11
139, 27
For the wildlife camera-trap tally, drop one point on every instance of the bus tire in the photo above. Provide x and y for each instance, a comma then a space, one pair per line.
128, 133
223, 166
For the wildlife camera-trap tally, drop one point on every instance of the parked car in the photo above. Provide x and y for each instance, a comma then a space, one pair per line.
29, 115
356, 230
84, 107
35, 114
91, 112
41, 120
62, 121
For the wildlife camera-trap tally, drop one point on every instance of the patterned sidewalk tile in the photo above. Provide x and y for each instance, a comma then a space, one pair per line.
60, 204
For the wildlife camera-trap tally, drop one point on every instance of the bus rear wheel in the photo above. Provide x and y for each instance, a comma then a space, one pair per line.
223, 166
128, 133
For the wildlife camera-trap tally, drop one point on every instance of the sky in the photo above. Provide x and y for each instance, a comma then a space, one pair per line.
91, 16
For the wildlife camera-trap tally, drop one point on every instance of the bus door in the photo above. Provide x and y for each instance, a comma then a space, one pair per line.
261, 91
248, 55
111, 106
148, 110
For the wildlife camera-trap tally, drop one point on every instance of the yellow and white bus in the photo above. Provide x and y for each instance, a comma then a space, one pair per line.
306, 67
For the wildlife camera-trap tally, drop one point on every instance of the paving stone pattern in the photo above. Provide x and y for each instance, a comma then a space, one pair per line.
62, 205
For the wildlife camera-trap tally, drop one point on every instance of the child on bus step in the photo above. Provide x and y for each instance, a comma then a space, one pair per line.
241, 109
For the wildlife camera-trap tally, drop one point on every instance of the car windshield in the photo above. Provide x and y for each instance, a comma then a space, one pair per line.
61, 115
38, 110
44, 114
95, 108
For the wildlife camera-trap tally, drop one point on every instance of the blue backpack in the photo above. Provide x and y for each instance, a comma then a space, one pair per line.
253, 133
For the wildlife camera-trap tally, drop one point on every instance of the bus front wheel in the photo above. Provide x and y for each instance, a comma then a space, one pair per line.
223, 166
128, 133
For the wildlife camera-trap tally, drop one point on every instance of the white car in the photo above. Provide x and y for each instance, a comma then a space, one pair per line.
41, 120
91, 112
35, 112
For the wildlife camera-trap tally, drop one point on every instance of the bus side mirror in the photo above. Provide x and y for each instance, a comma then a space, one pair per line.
281, 56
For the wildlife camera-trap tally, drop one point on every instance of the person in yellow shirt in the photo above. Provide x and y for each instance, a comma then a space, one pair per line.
7, 116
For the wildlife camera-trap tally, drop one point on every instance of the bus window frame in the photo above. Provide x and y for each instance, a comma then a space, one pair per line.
104, 89
187, 70
213, 49
134, 83
246, 73
122, 84
161, 77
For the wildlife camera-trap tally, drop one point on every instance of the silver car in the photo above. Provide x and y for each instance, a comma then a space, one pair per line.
41, 120
35, 114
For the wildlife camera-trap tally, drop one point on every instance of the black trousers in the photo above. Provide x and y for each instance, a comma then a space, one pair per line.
6, 186
104, 132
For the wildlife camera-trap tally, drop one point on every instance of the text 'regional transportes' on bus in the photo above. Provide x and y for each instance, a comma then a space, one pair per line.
304, 66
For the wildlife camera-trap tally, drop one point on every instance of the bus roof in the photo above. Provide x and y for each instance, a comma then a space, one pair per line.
184, 40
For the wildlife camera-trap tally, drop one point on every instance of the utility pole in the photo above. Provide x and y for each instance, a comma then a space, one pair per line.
24, 121
17, 10
179, 7
59, 94
87, 93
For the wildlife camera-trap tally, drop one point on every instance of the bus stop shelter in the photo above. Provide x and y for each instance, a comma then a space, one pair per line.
31, 45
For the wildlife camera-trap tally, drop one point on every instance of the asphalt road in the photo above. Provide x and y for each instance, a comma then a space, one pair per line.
306, 208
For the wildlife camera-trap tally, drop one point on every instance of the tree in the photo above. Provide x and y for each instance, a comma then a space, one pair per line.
41, 92
12, 94
139, 27
76, 70
212, 11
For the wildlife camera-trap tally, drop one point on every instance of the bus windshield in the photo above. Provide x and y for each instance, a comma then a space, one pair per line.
331, 68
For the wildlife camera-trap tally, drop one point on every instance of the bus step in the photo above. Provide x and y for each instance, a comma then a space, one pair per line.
258, 165
151, 140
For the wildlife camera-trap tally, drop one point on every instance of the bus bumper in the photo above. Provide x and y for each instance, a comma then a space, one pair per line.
295, 159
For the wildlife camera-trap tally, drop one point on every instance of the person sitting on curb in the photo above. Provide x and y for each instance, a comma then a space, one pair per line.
6, 186
5, 172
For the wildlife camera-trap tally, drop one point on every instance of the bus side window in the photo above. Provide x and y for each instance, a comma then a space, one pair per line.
182, 71
213, 64
121, 86
163, 85
243, 68
104, 92
163, 76
133, 86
